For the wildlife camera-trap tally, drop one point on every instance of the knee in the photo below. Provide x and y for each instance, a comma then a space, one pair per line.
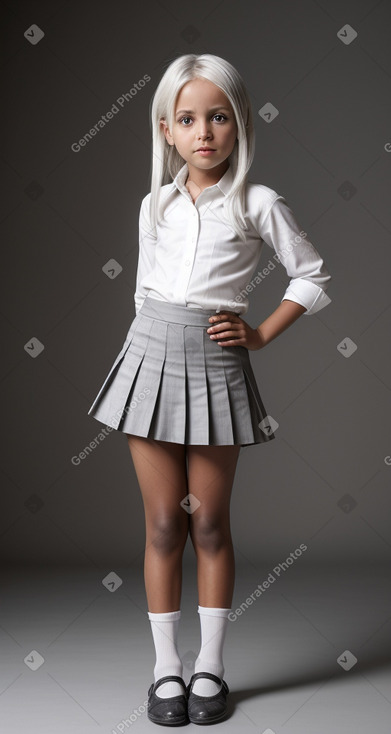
208, 533
168, 533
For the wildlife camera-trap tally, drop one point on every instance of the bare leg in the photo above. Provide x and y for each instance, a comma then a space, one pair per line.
211, 471
161, 472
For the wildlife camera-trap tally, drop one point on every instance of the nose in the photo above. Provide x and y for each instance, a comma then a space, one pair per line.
203, 130
203, 136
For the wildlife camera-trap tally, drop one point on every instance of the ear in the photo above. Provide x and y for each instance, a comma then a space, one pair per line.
166, 131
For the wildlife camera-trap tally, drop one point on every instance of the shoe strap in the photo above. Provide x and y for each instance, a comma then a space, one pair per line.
167, 678
211, 676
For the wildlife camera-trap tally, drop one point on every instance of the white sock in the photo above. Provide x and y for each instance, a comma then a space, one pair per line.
213, 622
165, 633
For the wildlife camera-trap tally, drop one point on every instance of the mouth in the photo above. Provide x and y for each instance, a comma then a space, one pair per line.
200, 149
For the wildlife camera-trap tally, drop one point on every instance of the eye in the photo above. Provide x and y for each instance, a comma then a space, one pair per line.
218, 114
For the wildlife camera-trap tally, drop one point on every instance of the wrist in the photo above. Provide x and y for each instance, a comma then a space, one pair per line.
262, 337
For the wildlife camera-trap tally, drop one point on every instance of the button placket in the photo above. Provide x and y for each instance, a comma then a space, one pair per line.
190, 250
184, 272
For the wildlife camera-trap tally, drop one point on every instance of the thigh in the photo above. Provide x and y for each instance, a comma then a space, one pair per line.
160, 467
211, 472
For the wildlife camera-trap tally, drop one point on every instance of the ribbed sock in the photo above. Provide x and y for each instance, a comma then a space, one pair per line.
165, 634
213, 622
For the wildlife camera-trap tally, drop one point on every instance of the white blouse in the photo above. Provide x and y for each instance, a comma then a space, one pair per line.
198, 261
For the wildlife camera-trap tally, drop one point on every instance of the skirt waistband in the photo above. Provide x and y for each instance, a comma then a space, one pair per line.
165, 311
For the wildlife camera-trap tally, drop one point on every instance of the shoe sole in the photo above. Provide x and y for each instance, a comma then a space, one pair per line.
209, 720
177, 722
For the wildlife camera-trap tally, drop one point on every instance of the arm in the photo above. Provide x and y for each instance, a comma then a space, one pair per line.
243, 334
309, 277
284, 315
146, 256
305, 293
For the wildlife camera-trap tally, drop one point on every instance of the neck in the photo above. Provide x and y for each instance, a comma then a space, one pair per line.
202, 179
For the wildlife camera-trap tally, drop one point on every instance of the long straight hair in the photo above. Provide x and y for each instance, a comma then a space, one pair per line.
166, 161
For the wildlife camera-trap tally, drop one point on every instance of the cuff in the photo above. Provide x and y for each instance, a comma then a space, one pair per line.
214, 611
312, 296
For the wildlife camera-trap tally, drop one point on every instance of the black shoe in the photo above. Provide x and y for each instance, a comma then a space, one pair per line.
206, 709
170, 711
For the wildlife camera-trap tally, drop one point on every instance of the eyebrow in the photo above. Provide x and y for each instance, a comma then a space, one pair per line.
191, 112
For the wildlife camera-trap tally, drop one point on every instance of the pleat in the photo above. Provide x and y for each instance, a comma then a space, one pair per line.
171, 382
239, 402
104, 403
145, 374
169, 413
197, 399
221, 427
257, 409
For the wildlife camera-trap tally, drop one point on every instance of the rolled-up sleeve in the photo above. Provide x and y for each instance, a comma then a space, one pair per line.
146, 255
302, 262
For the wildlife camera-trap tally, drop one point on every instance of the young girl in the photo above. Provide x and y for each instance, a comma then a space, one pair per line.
182, 388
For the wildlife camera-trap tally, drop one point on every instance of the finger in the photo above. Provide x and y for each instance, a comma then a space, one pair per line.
227, 315
223, 325
230, 343
221, 334
223, 313
220, 322
228, 334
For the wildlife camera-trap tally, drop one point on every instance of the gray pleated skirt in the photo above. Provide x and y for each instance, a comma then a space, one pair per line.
171, 382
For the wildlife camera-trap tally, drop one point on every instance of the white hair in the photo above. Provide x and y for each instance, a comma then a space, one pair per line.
166, 161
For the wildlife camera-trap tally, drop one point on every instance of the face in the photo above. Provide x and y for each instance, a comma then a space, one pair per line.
203, 117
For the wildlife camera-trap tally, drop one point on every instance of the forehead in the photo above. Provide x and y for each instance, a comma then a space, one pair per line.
199, 93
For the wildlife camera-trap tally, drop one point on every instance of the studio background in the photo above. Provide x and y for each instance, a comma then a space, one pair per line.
67, 212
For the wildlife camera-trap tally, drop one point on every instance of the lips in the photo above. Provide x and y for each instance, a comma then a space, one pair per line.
205, 149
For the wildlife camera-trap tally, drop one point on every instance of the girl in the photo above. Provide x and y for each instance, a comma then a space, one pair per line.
182, 388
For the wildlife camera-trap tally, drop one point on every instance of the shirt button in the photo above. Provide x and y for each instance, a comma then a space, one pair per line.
187, 262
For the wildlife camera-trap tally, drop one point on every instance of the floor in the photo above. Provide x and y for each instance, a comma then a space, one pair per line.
310, 654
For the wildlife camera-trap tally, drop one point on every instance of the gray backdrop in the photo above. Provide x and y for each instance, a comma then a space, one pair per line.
310, 655
66, 214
